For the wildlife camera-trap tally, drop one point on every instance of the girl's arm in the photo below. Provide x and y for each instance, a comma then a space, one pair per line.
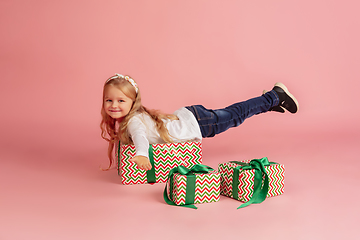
137, 131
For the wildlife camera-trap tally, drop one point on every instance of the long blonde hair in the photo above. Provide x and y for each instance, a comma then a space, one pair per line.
113, 131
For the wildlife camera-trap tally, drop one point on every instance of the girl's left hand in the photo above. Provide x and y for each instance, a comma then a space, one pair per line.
142, 162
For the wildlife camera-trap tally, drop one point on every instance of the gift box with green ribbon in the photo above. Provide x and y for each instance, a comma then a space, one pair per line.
163, 158
185, 187
251, 181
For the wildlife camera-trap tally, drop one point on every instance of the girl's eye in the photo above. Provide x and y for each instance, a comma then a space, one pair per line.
121, 101
108, 100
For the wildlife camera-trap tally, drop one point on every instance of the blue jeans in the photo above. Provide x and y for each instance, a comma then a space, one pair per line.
213, 122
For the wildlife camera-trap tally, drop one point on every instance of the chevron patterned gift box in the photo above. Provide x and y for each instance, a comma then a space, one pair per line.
193, 186
273, 178
163, 158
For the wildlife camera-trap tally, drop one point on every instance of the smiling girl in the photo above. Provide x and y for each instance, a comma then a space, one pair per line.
125, 119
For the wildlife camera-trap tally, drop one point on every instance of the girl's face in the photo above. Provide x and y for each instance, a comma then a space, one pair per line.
116, 104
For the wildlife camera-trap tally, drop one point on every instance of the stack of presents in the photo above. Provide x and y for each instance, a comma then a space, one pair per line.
189, 182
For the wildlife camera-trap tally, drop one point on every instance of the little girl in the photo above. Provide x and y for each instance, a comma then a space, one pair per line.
124, 118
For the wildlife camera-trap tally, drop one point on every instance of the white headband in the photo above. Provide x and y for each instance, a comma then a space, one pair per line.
127, 78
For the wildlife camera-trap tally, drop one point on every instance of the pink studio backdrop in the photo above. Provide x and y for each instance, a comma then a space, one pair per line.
56, 55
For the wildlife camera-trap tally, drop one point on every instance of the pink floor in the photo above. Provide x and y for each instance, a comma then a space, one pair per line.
56, 191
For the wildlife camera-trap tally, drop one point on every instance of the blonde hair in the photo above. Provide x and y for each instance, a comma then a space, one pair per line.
113, 131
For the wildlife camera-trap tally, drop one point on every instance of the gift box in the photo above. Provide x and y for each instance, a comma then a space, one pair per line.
163, 158
251, 181
185, 187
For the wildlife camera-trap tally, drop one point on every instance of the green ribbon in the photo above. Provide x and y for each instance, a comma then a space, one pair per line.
260, 188
190, 183
150, 174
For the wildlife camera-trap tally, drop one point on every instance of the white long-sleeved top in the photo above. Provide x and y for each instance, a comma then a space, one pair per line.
143, 131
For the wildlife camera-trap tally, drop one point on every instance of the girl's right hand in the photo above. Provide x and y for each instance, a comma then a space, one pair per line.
142, 162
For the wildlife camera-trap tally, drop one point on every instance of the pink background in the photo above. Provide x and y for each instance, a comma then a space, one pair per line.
56, 55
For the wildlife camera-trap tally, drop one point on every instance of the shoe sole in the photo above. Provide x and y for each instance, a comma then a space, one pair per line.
283, 87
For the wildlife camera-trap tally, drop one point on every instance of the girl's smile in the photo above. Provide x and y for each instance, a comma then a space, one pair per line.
116, 104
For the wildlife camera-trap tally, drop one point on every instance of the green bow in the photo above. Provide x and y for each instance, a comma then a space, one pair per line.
190, 183
260, 189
